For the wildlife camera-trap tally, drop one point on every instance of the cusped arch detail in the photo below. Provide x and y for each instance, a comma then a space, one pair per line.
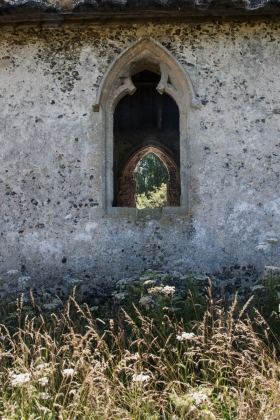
127, 185
146, 53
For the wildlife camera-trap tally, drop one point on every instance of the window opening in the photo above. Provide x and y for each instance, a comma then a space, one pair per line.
177, 141
145, 119
151, 177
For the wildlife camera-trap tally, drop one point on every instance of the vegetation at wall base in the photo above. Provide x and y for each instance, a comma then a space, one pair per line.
153, 352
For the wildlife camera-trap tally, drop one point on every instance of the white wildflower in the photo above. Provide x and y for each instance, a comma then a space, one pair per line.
44, 396
119, 296
23, 279
200, 277
43, 381
73, 392
272, 241
67, 372
42, 370
122, 282
155, 289
140, 378
135, 356
149, 282
262, 246
73, 281
176, 274
145, 277
20, 379
185, 336
272, 268
42, 366
199, 397
146, 301
258, 286
168, 290
209, 414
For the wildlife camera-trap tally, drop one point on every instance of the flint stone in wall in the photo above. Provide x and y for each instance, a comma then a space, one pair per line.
233, 167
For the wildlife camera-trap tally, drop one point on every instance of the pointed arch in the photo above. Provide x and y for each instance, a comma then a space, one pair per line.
146, 53
127, 188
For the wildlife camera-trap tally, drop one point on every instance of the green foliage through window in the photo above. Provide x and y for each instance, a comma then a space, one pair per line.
156, 199
151, 177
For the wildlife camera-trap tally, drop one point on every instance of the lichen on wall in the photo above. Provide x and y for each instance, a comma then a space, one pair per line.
53, 228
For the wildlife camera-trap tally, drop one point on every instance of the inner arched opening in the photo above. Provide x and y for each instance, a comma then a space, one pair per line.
151, 177
143, 119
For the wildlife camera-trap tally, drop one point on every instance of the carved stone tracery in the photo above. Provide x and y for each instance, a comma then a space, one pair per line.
146, 53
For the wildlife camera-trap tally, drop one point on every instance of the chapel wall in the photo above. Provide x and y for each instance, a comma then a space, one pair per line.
54, 231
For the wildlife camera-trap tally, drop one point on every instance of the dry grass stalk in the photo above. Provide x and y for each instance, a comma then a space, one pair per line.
72, 366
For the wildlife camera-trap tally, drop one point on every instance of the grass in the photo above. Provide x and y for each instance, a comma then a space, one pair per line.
73, 365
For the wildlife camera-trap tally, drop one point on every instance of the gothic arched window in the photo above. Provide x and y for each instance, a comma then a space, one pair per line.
147, 102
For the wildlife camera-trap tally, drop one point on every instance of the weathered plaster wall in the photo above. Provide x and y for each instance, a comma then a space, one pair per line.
52, 229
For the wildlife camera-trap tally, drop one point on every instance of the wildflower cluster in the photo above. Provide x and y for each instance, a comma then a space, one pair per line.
74, 365
179, 355
185, 336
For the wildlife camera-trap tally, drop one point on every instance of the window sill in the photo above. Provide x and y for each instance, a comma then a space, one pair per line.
147, 214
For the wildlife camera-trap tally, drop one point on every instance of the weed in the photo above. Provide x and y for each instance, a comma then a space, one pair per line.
139, 364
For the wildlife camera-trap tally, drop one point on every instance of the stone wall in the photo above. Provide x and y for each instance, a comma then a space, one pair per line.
53, 228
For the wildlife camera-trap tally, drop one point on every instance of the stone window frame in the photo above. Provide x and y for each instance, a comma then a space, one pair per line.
146, 53
128, 184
